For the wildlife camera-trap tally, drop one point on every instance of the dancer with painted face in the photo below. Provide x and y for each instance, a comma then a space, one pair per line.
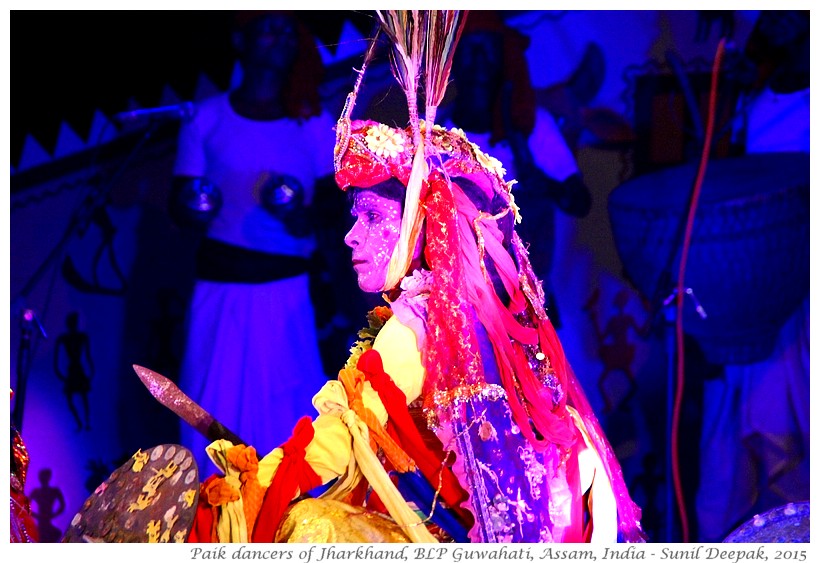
457, 416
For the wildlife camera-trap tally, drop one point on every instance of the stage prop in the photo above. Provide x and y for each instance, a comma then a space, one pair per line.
166, 392
748, 265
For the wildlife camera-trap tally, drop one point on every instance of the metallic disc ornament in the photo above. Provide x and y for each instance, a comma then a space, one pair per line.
282, 194
198, 201
151, 498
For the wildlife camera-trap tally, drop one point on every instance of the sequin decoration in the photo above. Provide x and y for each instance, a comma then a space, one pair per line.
373, 237
518, 494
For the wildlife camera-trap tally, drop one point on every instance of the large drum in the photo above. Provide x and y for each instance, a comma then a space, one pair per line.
748, 263
790, 523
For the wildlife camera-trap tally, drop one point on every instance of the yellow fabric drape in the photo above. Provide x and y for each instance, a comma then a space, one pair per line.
329, 454
398, 347
231, 525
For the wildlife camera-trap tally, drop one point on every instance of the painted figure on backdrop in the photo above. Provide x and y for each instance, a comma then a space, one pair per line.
75, 368
615, 350
50, 504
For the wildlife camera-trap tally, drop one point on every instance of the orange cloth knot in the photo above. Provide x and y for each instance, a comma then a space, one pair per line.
245, 460
353, 381
219, 492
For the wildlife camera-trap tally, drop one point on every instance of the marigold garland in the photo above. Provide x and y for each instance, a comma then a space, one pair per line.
376, 319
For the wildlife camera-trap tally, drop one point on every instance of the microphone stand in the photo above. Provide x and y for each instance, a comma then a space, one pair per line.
24, 364
665, 306
80, 220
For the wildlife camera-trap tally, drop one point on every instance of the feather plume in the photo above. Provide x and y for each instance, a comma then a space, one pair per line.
405, 29
444, 29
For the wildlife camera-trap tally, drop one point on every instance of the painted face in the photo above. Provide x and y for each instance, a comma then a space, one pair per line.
373, 237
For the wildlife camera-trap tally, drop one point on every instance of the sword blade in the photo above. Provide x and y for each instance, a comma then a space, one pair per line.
166, 392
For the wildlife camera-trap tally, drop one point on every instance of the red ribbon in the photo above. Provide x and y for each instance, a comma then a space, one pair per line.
409, 437
202, 530
293, 474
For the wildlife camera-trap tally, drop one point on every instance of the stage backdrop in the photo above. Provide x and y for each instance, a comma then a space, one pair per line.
100, 277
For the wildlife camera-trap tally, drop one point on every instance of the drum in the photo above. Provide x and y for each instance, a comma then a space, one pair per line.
748, 263
789, 523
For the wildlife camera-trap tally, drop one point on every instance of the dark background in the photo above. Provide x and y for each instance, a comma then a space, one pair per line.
67, 64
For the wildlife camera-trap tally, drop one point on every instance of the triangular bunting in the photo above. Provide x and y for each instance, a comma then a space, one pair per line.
102, 130
169, 97
327, 57
236, 76
33, 154
351, 42
204, 88
68, 142
132, 104
130, 126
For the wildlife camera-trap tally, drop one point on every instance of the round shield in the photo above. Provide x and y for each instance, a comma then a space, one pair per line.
151, 498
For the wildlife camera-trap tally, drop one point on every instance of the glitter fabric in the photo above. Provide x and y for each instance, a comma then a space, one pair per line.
331, 521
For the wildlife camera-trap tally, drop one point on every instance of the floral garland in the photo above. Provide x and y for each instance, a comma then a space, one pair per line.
376, 318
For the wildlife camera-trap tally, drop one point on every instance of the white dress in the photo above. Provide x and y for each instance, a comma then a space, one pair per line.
251, 357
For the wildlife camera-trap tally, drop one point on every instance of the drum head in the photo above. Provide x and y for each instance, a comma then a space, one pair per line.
151, 498
785, 524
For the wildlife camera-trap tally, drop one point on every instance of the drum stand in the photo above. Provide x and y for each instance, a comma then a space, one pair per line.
670, 337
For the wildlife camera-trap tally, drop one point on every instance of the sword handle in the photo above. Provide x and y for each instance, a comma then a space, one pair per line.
216, 431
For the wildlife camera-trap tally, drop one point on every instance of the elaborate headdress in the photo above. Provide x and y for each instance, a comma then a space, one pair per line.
465, 248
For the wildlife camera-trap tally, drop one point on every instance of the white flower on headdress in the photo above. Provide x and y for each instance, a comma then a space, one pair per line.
489, 162
458, 131
384, 141
423, 126
513, 205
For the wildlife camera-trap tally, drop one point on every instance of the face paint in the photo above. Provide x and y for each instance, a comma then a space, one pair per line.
373, 237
